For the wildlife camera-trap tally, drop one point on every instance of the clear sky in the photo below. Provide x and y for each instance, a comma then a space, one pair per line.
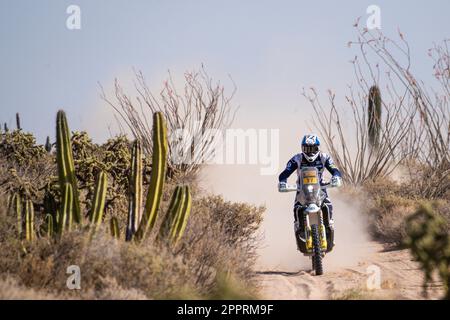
270, 48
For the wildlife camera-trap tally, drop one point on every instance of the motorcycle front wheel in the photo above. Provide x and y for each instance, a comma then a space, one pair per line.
317, 256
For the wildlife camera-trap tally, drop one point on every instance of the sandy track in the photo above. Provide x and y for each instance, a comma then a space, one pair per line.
400, 279
284, 273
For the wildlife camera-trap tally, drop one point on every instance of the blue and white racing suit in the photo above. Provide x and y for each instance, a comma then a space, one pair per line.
323, 161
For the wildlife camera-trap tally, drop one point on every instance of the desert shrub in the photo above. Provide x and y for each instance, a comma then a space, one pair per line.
24, 165
20, 148
238, 220
425, 181
113, 158
222, 236
429, 241
389, 204
206, 264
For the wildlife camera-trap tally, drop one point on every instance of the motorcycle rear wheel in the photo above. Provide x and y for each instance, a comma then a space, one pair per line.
317, 257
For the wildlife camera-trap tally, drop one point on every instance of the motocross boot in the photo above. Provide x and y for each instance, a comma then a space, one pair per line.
299, 229
330, 235
327, 210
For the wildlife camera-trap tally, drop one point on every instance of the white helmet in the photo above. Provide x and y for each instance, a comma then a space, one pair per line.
310, 147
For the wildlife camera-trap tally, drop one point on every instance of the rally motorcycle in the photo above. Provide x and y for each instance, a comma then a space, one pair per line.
311, 196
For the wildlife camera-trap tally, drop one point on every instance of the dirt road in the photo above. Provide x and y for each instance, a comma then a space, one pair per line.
400, 278
284, 273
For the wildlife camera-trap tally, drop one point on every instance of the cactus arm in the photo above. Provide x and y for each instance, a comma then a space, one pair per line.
49, 219
170, 217
177, 214
29, 221
184, 212
66, 210
98, 204
114, 228
17, 203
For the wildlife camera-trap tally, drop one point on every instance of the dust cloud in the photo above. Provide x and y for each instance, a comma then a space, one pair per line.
278, 250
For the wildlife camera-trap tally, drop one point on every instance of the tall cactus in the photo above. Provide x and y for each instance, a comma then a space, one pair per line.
18, 121
66, 209
66, 169
98, 203
29, 221
374, 116
114, 228
48, 145
135, 192
159, 160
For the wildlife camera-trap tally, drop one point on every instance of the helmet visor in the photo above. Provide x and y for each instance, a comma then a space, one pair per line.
310, 150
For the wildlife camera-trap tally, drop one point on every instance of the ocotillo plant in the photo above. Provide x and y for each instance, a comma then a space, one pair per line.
374, 116
114, 228
18, 121
159, 161
66, 169
29, 221
135, 192
98, 203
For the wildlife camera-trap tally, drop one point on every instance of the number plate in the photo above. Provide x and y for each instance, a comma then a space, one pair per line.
309, 180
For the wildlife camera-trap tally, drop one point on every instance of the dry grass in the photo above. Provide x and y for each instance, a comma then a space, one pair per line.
364, 294
389, 205
10, 289
207, 264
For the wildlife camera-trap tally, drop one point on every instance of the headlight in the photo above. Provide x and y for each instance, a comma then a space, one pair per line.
312, 208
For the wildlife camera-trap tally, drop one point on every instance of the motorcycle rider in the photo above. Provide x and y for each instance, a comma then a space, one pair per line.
311, 157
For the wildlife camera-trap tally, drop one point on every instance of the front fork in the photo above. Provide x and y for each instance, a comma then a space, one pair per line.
308, 233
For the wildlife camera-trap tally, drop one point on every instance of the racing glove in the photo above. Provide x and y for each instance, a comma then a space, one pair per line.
282, 187
336, 181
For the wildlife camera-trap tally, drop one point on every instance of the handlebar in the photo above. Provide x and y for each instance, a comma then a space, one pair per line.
323, 186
